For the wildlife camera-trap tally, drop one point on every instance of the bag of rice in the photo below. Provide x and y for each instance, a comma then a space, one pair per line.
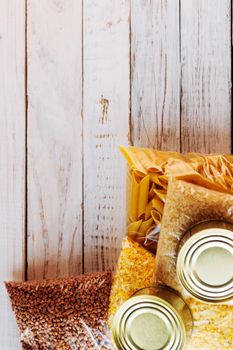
186, 206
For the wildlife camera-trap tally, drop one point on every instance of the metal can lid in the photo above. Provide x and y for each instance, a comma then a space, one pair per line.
205, 263
147, 322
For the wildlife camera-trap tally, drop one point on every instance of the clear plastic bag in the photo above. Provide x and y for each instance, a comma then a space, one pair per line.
81, 338
210, 171
186, 205
146, 192
64, 314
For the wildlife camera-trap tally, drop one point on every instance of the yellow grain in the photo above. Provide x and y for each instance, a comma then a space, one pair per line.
134, 271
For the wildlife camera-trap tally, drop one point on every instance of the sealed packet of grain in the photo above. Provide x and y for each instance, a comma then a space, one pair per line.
193, 213
65, 314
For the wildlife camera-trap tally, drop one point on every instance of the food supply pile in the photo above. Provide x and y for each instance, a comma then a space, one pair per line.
200, 187
168, 193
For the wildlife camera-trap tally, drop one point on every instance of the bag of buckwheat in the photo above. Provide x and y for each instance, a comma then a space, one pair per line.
65, 314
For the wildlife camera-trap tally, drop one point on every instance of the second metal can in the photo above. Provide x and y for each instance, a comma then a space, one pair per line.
155, 318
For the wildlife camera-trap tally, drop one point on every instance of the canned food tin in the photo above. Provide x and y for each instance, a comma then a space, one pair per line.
205, 262
154, 318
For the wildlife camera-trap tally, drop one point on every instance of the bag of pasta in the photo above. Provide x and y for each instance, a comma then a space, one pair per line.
147, 182
146, 192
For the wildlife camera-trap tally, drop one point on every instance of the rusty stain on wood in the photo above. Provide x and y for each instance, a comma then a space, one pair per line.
109, 24
104, 104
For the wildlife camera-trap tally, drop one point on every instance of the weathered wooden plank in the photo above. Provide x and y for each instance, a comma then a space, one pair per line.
106, 124
155, 73
54, 138
206, 75
12, 155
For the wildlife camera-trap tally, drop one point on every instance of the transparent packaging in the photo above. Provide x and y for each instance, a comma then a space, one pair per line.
64, 314
147, 182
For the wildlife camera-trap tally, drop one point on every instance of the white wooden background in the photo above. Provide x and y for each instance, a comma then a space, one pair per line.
78, 78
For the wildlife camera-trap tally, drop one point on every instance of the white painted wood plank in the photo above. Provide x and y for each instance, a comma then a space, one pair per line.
206, 75
12, 157
54, 138
106, 125
155, 73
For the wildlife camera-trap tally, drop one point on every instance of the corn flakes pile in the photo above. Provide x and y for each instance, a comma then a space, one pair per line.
134, 271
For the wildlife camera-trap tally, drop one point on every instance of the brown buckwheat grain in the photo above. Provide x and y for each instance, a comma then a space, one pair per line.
64, 313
